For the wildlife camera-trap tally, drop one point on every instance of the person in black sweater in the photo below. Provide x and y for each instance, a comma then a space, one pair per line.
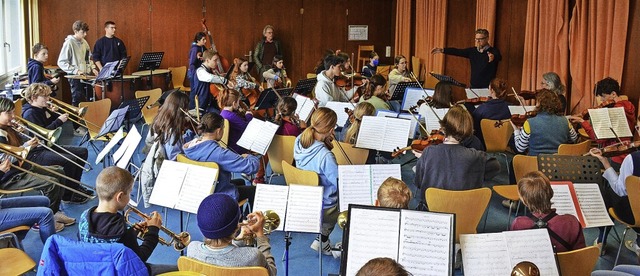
108, 48
483, 57
35, 66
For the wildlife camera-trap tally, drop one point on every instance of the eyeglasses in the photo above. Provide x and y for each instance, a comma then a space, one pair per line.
637, 128
480, 38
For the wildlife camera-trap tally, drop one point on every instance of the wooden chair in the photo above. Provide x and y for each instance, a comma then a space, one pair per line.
178, 75
578, 262
97, 114
632, 184
311, 75
14, 261
189, 264
154, 96
384, 70
293, 175
225, 135
574, 149
356, 155
363, 55
469, 206
281, 149
13, 230
496, 139
522, 164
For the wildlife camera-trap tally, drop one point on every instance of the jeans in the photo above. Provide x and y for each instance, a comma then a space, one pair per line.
27, 210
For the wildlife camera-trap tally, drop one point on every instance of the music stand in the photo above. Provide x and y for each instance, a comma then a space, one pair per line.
107, 73
267, 99
398, 93
150, 61
113, 122
304, 87
448, 79
134, 107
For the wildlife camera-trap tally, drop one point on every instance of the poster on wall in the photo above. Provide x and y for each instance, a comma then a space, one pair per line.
358, 32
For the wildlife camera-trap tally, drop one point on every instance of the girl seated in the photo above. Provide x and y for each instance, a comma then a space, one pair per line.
496, 108
376, 93
352, 127
238, 115
286, 118
276, 77
371, 68
243, 79
171, 127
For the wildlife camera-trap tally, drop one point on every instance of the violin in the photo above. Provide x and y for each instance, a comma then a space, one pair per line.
616, 149
607, 103
436, 137
528, 95
349, 112
328, 141
517, 119
478, 100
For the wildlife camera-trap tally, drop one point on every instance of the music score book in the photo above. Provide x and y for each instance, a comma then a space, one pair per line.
497, 253
183, 186
412, 95
517, 109
298, 206
406, 116
430, 119
584, 201
358, 184
258, 136
482, 92
603, 119
383, 134
305, 106
338, 108
420, 241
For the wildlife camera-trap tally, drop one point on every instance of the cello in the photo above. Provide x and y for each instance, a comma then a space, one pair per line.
223, 63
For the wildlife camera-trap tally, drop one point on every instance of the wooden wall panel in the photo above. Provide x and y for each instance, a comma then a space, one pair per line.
321, 31
360, 13
509, 39
630, 78
461, 22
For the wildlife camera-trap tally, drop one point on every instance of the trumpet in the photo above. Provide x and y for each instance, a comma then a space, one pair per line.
77, 112
178, 241
271, 222
343, 218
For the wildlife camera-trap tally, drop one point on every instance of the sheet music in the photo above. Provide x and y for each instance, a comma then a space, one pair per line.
304, 209
517, 109
112, 143
562, 200
338, 108
431, 120
485, 254
371, 129
371, 238
412, 95
380, 173
130, 144
199, 182
168, 183
602, 119
272, 197
258, 136
425, 242
305, 106
592, 205
619, 121
482, 92
354, 185
414, 122
396, 134
533, 246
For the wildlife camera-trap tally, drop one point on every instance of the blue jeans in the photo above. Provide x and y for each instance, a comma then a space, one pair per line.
27, 210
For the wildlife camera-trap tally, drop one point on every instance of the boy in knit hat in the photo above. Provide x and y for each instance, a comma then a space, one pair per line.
218, 217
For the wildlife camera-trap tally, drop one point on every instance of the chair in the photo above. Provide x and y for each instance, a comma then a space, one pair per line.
632, 184
225, 134
12, 231
281, 149
154, 96
363, 55
384, 71
177, 77
97, 114
522, 164
293, 175
14, 261
578, 262
574, 149
357, 156
468, 206
311, 75
189, 264
496, 139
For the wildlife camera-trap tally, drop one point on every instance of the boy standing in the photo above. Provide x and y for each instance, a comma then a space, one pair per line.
206, 75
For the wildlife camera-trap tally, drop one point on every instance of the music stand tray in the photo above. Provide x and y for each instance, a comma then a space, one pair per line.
150, 61
448, 79
398, 93
304, 87
134, 106
577, 169
113, 122
285, 92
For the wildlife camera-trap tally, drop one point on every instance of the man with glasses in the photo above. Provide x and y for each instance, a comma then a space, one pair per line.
483, 57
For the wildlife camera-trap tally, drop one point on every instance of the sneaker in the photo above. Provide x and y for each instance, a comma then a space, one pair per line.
80, 132
246, 176
58, 226
336, 251
62, 218
75, 199
86, 190
326, 246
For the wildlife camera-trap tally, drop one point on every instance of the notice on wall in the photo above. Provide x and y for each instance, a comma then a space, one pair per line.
358, 32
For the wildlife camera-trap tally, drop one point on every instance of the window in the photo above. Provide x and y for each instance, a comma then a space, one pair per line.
12, 37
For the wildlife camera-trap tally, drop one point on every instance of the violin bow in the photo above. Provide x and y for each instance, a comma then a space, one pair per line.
344, 153
617, 137
519, 100
425, 99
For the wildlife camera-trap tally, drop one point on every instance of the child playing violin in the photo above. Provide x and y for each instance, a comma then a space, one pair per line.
494, 109
290, 124
242, 77
376, 94
276, 77
237, 115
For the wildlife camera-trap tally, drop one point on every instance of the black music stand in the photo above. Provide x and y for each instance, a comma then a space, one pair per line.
448, 79
304, 87
120, 75
150, 61
107, 73
113, 122
267, 99
134, 107
398, 93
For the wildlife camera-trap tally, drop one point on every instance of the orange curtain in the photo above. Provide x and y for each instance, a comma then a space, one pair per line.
486, 17
546, 42
431, 25
403, 28
598, 37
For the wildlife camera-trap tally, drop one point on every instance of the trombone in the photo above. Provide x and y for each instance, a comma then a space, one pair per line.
271, 222
46, 134
178, 241
78, 112
20, 153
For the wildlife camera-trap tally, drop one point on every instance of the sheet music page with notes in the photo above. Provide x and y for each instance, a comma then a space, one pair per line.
592, 205
396, 134
412, 95
199, 182
112, 143
482, 92
258, 136
371, 129
534, 246
305, 106
272, 197
619, 122
562, 201
304, 209
168, 183
518, 109
371, 238
485, 254
414, 122
430, 119
603, 119
338, 108
130, 144
380, 173
426, 241
354, 185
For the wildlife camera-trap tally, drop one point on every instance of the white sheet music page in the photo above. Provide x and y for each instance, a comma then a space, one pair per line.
338, 108
518, 109
482, 92
414, 122
130, 144
485, 254
592, 205
258, 136
304, 209
354, 185
429, 117
305, 106
372, 234
413, 94
199, 182
272, 197
619, 121
371, 130
396, 134
168, 183
425, 242
380, 173
562, 200
533, 246
112, 143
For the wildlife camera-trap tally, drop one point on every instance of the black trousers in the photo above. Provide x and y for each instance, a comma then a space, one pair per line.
46, 157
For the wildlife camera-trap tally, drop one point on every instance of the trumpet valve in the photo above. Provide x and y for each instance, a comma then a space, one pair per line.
181, 241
